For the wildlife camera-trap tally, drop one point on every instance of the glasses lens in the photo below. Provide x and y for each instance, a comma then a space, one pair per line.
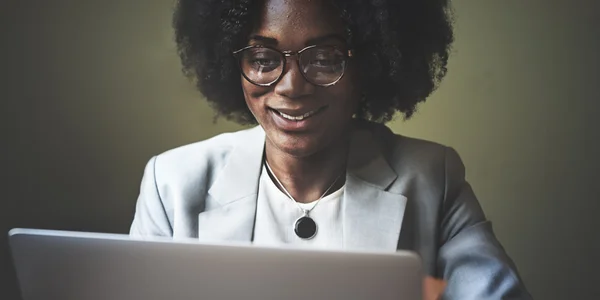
261, 65
323, 65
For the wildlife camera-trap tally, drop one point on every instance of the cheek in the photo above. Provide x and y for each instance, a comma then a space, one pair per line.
348, 93
253, 95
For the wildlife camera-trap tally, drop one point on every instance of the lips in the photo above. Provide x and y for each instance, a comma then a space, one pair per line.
297, 120
297, 115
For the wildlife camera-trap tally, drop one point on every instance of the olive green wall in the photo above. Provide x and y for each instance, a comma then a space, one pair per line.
90, 90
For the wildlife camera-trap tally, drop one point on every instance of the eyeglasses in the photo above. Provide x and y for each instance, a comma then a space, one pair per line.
320, 65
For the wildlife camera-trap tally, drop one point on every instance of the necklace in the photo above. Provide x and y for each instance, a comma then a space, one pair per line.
304, 227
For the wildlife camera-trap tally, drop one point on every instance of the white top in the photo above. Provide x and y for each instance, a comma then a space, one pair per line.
276, 215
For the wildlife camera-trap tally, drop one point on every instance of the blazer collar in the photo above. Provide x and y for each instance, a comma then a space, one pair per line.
239, 178
230, 209
372, 215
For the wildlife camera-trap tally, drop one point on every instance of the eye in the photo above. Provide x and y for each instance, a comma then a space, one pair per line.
265, 63
325, 62
263, 60
325, 58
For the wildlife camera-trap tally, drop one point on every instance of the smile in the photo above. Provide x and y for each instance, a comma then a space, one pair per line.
300, 117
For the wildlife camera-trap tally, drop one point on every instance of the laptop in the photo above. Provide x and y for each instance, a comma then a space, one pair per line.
52, 265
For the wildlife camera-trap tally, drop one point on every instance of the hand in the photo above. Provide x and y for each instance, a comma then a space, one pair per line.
433, 288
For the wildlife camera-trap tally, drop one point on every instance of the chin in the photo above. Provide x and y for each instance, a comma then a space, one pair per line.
298, 146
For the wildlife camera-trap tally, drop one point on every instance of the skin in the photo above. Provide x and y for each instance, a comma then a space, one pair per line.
305, 161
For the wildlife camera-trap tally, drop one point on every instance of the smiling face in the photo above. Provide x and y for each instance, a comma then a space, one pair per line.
301, 118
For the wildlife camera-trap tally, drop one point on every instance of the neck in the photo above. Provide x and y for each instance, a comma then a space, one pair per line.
307, 178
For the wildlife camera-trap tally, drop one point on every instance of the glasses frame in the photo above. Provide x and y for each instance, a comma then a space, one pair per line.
348, 54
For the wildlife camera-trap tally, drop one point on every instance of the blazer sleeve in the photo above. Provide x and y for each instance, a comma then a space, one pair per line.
150, 218
471, 258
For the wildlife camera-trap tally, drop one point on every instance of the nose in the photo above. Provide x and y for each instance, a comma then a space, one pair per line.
292, 84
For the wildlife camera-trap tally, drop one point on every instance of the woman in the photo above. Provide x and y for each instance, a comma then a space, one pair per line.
321, 169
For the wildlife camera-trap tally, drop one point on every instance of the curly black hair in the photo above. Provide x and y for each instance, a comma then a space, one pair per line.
401, 47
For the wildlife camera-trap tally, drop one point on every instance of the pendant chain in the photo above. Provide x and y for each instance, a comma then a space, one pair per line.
306, 211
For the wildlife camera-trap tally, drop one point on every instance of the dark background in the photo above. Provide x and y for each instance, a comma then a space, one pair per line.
90, 90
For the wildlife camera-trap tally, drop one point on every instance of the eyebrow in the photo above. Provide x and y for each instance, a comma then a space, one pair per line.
313, 41
264, 39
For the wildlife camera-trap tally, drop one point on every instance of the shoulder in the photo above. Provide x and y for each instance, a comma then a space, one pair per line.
201, 158
175, 183
405, 153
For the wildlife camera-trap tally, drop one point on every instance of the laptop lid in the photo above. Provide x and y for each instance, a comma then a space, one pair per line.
65, 265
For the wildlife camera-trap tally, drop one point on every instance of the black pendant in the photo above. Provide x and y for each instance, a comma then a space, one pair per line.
305, 228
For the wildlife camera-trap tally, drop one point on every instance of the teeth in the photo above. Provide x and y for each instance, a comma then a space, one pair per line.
298, 118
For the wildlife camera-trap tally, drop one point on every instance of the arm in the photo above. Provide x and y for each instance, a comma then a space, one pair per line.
471, 259
150, 217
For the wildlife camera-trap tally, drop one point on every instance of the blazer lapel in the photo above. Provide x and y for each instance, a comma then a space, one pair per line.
372, 215
231, 203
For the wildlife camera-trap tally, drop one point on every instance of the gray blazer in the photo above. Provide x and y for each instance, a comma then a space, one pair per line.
400, 193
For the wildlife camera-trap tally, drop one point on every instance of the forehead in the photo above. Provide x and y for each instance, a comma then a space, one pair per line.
293, 22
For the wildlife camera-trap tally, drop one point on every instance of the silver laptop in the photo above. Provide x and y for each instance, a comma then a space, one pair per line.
54, 265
